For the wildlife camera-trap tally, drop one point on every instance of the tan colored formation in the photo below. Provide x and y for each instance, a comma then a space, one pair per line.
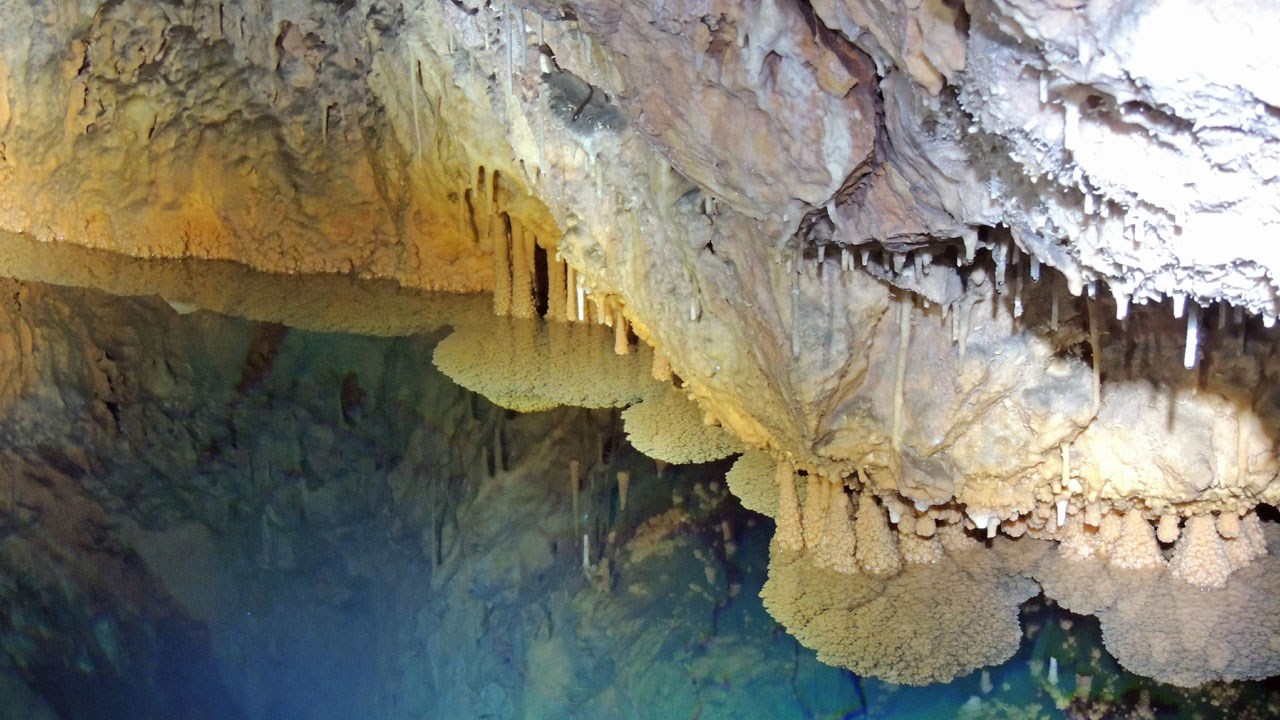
830, 559
848, 593
746, 235
324, 302
839, 536
1166, 628
667, 426
529, 365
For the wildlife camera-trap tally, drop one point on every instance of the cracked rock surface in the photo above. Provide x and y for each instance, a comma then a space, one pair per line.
997, 262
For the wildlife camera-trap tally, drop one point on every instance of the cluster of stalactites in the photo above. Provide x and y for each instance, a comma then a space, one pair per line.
1011, 272
569, 297
851, 531
857, 531
1204, 551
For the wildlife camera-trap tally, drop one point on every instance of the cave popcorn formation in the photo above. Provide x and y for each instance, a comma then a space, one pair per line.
974, 290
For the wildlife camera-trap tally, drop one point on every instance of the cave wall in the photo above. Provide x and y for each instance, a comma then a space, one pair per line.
702, 168
902, 248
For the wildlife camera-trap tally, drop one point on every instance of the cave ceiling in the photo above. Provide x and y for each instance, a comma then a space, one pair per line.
995, 267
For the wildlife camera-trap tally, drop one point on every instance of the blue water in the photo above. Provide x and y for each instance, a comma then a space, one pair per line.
369, 558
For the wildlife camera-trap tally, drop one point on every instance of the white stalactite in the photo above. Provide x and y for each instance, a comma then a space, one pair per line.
1095, 348
1192, 350
1053, 310
904, 340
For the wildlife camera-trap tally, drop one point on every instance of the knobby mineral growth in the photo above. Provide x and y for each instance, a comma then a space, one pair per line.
947, 273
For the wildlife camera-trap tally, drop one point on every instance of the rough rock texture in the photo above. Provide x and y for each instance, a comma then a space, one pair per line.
1164, 628
904, 243
668, 427
530, 366
321, 302
899, 628
289, 136
859, 134
753, 480
836, 548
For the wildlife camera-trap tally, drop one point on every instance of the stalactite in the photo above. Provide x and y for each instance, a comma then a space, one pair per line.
661, 367
571, 294
465, 219
876, 544
1095, 347
1191, 353
1228, 524
607, 311
482, 204
1122, 303
1065, 449
557, 290
904, 340
579, 295
621, 343
1093, 514
521, 269
1017, 292
502, 274
602, 314
624, 487
1001, 253
789, 534
814, 511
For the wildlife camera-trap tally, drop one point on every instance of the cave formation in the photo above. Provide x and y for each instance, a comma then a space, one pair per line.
978, 293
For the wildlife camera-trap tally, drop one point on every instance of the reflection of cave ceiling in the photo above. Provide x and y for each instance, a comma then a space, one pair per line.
996, 265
